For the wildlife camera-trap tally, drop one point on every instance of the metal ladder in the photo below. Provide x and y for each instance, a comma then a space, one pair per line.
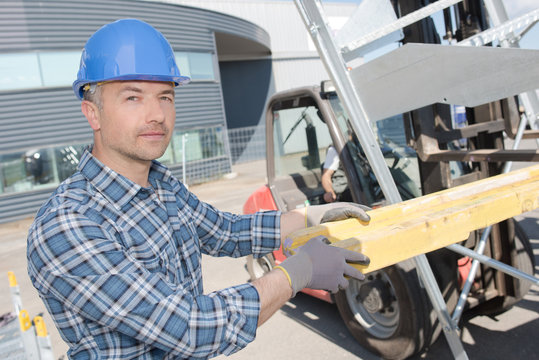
24, 338
335, 59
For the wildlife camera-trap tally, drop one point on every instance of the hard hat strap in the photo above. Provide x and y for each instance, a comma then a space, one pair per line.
92, 86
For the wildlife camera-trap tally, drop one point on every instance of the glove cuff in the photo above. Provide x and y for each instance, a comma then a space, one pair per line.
286, 274
299, 271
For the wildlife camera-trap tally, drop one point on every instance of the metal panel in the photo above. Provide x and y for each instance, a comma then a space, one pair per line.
430, 73
65, 24
22, 205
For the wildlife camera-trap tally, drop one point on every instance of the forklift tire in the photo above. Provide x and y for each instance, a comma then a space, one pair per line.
522, 259
258, 267
390, 313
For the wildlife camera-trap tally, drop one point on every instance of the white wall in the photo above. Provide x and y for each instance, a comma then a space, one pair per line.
295, 60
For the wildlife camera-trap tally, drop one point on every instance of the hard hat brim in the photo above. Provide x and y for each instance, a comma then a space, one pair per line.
78, 85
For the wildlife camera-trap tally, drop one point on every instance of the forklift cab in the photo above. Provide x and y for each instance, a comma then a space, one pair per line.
300, 129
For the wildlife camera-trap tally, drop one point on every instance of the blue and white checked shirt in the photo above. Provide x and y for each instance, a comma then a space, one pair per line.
119, 267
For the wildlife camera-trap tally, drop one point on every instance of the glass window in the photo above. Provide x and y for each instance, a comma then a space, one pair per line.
47, 167
168, 156
182, 61
19, 71
211, 142
37, 168
27, 171
201, 66
301, 139
189, 141
400, 158
59, 68
67, 158
43, 69
199, 144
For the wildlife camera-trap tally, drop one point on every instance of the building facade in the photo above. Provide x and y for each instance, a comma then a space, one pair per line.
42, 131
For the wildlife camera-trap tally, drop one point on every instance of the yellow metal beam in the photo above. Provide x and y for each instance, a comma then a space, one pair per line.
418, 226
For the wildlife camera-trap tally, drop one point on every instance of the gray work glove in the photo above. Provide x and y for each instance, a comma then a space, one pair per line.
317, 214
317, 265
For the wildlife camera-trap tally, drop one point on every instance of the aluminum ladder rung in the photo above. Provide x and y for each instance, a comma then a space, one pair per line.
399, 24
502, 32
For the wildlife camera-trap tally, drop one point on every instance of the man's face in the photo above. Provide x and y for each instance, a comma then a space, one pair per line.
136, 120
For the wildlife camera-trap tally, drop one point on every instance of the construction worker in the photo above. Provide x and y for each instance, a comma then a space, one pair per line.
115, 253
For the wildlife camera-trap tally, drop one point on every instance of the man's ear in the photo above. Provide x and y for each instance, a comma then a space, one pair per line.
91, 112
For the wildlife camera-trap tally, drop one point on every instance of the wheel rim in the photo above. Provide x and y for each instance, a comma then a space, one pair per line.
261, 266
378, 313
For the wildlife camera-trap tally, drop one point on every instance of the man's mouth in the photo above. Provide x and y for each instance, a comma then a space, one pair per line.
153, 135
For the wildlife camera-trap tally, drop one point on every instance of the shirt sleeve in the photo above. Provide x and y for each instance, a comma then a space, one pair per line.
86, 269
225, 234
332, 159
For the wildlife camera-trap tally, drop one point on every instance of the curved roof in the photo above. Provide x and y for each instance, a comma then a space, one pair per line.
66, 24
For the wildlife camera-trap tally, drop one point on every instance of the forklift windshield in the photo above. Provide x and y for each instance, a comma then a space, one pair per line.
400, 158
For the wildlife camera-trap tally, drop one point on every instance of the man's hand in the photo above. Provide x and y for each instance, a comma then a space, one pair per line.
317, 214
330, 197
317, 265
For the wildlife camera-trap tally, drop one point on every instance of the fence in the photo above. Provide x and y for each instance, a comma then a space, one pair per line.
247, 144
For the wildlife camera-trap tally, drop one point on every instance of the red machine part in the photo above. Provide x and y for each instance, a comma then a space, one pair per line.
260, 200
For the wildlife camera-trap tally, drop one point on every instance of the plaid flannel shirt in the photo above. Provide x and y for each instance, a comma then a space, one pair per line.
119, 267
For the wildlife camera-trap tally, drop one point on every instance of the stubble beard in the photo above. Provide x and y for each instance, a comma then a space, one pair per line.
140, 153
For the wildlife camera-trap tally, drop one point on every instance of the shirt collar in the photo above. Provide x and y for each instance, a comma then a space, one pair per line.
116, 187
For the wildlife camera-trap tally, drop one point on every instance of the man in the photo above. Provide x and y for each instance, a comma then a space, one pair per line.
115, 253
333, 178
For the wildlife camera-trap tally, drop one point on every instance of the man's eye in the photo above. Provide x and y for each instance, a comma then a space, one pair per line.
167, 98
131, 98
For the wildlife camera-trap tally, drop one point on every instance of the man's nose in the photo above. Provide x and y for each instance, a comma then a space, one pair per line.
155, 111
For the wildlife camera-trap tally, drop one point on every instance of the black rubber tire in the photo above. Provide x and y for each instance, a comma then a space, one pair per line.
417, 324
522, 258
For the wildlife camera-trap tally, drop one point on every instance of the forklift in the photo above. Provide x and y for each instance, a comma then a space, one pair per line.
426, 150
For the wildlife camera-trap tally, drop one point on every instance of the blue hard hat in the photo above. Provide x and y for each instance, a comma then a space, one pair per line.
127, 49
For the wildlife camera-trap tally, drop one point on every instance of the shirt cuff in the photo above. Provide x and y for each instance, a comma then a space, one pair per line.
265, 232
244, 306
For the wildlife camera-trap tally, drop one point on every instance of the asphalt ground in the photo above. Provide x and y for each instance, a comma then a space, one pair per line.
304, 327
